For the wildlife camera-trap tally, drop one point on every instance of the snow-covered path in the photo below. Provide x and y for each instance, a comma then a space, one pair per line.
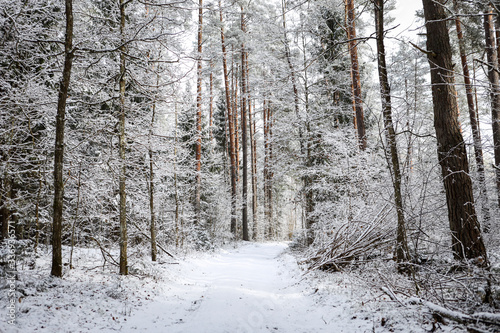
254, 288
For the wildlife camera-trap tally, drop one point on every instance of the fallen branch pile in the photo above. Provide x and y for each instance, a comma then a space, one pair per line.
353, 242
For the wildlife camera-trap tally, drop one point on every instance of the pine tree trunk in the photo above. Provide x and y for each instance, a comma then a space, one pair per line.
59, 146
211, 106
390, 134
253, 149
355, 75
467, 242
476, 133
236, 125
198, 114
266, 169
268, 174
122, 148
152, 227
494, 77
178, 230
232, 151
289, 59
244, 99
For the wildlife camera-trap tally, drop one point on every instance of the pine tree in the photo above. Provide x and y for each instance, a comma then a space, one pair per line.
467, 242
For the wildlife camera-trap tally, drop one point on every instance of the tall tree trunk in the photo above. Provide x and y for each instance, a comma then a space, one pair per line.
75, 221
476, 133
152, 227
211, 104
178, 229
244, 140
253, 155
494, 77
266, 171
268, 174
122, 148
467, 242
198, 114
289, 59
390, 134
5, 196
307, 178
59, 146
232, 151
355, 75
236, 125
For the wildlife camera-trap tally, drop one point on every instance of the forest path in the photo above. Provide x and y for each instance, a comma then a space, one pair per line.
253, 288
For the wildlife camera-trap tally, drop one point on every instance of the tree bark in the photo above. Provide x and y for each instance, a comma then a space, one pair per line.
152, 227
211, 104
355, 75
59, 146
198, 114
253, 155
494, 77
232, 151
385, 94
268, 174
476, 133
244, 140
122, 148
289, 59
467, 242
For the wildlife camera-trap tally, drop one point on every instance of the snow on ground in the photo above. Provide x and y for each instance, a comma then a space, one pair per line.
250, 288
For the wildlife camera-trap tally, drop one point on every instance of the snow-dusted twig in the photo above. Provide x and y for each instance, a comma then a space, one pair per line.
487, 318
351, 242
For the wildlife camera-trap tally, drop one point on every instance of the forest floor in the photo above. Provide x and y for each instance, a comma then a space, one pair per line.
250, 287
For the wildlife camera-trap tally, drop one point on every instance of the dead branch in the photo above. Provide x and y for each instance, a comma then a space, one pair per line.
149, 238
352, 241
491, 319
105, 253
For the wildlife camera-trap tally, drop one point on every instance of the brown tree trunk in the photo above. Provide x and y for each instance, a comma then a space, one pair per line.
59, 146
289, 59
197, 205
385, 94
476, 133
5, 196
268, 174
253, 155
266, 168
75, 220
211, 106
236, 125
232, 151
494, 77
152, 227
244, 140
178, 224
467, 242
355, 75
122, 148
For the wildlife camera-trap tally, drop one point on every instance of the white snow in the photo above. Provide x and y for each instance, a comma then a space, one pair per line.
251, 288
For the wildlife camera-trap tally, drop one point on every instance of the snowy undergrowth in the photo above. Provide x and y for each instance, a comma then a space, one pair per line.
90, 297
400, 302
245, 287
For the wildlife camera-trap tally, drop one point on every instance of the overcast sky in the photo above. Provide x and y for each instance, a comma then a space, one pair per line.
404, 15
